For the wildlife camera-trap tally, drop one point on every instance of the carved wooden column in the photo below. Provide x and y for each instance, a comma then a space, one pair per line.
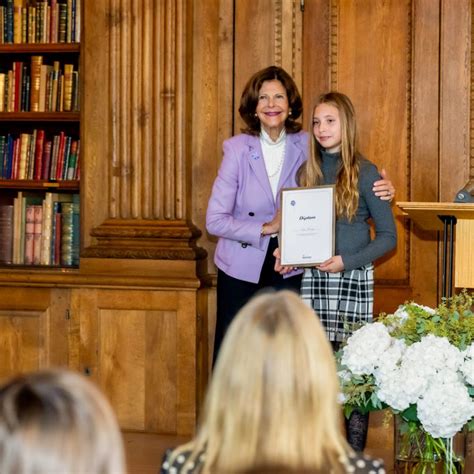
140, 192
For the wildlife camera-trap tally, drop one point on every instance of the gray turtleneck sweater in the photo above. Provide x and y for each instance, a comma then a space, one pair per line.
353, 242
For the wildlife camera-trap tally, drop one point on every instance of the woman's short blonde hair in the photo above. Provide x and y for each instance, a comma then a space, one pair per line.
273, 395
57, 422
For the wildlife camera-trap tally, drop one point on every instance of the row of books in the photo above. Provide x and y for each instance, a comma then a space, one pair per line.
39, 87
56, 21
37, 231
32, 156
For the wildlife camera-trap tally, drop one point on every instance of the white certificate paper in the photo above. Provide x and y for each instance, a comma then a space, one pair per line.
307, 225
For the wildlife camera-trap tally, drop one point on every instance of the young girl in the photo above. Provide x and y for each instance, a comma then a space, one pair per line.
341, 289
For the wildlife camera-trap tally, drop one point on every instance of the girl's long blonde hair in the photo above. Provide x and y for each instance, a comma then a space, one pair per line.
347, 191
273, 395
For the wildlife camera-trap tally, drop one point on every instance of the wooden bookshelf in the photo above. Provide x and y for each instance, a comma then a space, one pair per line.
32, 184
40, 138
39, 117
40, 48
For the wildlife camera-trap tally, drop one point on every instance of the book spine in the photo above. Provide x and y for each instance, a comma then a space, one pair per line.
45, 173
6, 234
9, 21
31, 155
2, 92
39, 155
62, 22
66, 233
68, 80
29, 234
38, 222
36, 63
46, 230
17, 21
2, 156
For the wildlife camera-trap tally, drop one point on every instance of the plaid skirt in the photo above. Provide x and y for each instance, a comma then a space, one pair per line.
341, 300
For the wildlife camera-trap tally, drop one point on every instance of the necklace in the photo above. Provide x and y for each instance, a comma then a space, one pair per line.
271, 174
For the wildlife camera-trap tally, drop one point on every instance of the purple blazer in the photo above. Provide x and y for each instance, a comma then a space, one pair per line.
242, 201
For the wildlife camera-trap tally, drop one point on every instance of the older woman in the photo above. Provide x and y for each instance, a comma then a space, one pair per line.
243, 207
272, 400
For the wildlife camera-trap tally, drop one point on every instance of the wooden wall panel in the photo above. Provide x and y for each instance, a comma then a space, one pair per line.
267, 32
33, 329
373, 41
455, 86
136, 143
424, 167
140, 347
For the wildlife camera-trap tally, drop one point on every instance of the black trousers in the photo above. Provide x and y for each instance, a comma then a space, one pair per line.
233, 293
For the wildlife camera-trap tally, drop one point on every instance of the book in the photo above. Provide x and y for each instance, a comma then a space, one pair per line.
44, 74
28, 203
46, 160
31, 155
9, 22
54, 21
17, 241
68, 82
72, 163
62, 22
39, 145
54, 86
29, 234
17, 22
6, 234
24, 145
2, 92
36, 63
38, 221
48, 232
25, 89
31, 24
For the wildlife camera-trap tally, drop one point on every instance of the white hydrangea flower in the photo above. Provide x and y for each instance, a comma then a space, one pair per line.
391, 358
445, 408
467, 366
391, 390
365, 347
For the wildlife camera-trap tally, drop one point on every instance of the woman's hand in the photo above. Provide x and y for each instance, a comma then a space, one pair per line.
282, 270
332, 265
273, 226
383, 188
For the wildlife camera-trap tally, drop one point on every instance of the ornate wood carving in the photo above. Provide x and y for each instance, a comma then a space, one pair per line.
147, 101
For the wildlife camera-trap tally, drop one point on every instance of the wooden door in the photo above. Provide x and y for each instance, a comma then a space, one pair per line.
34, 326
140, 347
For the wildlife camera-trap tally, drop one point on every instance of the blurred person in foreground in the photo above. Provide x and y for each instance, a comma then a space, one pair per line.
57, 422
273, 398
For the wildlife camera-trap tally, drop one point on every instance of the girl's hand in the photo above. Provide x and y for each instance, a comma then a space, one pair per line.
332, 265
278, 266
383, 188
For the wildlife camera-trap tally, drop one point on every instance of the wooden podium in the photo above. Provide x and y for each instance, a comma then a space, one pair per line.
445, 217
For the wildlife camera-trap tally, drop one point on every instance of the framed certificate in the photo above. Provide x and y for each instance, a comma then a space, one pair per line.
307, 229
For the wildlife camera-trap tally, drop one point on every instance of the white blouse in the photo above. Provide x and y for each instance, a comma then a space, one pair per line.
274, 156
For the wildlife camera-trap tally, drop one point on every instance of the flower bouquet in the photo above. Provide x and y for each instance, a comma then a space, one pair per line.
418, 362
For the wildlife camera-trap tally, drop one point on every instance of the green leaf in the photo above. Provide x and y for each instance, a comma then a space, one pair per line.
348, 409
410, 414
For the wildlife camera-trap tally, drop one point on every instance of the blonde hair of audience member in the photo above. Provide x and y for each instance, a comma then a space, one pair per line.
57, 422
272, 399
